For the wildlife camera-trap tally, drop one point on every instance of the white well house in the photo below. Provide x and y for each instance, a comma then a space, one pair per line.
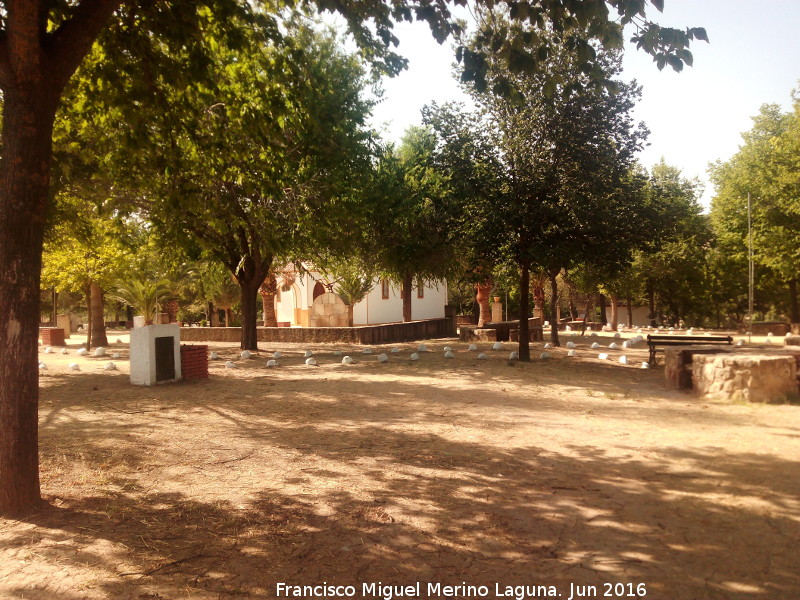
155, 354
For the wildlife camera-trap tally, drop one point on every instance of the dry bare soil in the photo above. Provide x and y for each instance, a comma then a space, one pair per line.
562, 472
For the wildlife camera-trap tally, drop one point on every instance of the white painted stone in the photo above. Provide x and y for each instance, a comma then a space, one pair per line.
472, 347
617, 336
213, 356
645, 365
595, 345
308, 354
612, 346
769, 334
544, 355
571, 353
82, 351
74, 367
548, 345
449, 354
414, 356
593, 334
367, 351
740, 342
626, 344
311, 362
513, 356
396, 350
602, 356
230, 365
623, 360
639, 330
277, 354
482, 356
589, 328
337, 352
100, 351
272, 362
570, 345
769, 340
110, 366
497, 346
422, 348
42, 366
382, 358
567, 328
245, 354
347, 360
143, 353
64, 351
447, 349
116, 355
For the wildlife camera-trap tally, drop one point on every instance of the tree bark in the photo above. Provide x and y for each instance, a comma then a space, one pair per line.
97, 317
538, 300
408, 284
651, 303
54, 311
482, 293
794, 305
249, 315
601, 303
554, 309
614, 322
268, 290
524, 350
630, 312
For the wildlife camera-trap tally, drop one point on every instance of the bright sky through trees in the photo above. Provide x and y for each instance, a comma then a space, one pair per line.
695, 117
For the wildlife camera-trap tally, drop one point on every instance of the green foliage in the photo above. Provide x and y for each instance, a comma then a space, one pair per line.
145, 296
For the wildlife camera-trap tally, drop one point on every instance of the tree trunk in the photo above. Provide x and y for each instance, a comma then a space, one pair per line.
630, 312
172, 307
24, 188
794, 306
524, 350
87, 291
554, 309
538, 300
482, 294
249, 315
97, 317
213, 315
614, 322
268, 290
350, 320
601, 303
54, 311
228, 316
408, 283
651, 303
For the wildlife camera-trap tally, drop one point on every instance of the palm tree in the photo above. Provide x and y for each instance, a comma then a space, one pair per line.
145, 296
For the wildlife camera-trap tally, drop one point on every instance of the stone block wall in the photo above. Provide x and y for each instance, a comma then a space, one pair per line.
194, 362
328, 310
752, 378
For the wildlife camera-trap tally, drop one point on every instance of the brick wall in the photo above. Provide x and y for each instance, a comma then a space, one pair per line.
370, 334
52, 336
194, 362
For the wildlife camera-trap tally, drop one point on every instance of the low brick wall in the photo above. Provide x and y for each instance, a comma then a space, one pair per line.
751, 377
194, 362
52, 336
367, 334
773, 327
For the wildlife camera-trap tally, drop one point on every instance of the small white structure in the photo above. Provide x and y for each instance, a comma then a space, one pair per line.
155, 354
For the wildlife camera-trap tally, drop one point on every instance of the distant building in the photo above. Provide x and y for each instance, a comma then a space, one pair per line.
301, 300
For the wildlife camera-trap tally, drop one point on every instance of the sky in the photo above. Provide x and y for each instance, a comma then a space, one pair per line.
695, 117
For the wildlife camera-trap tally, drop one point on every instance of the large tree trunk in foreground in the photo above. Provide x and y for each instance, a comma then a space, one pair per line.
554, 309
97, 317
35, 65
482, 292
524, 350
408, 284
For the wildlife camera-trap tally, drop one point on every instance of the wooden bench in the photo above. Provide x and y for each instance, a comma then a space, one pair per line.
657, 343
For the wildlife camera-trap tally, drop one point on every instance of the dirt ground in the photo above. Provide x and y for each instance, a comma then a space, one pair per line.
566, 472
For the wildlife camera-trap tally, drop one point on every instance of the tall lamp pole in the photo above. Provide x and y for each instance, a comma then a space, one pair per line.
750, 270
